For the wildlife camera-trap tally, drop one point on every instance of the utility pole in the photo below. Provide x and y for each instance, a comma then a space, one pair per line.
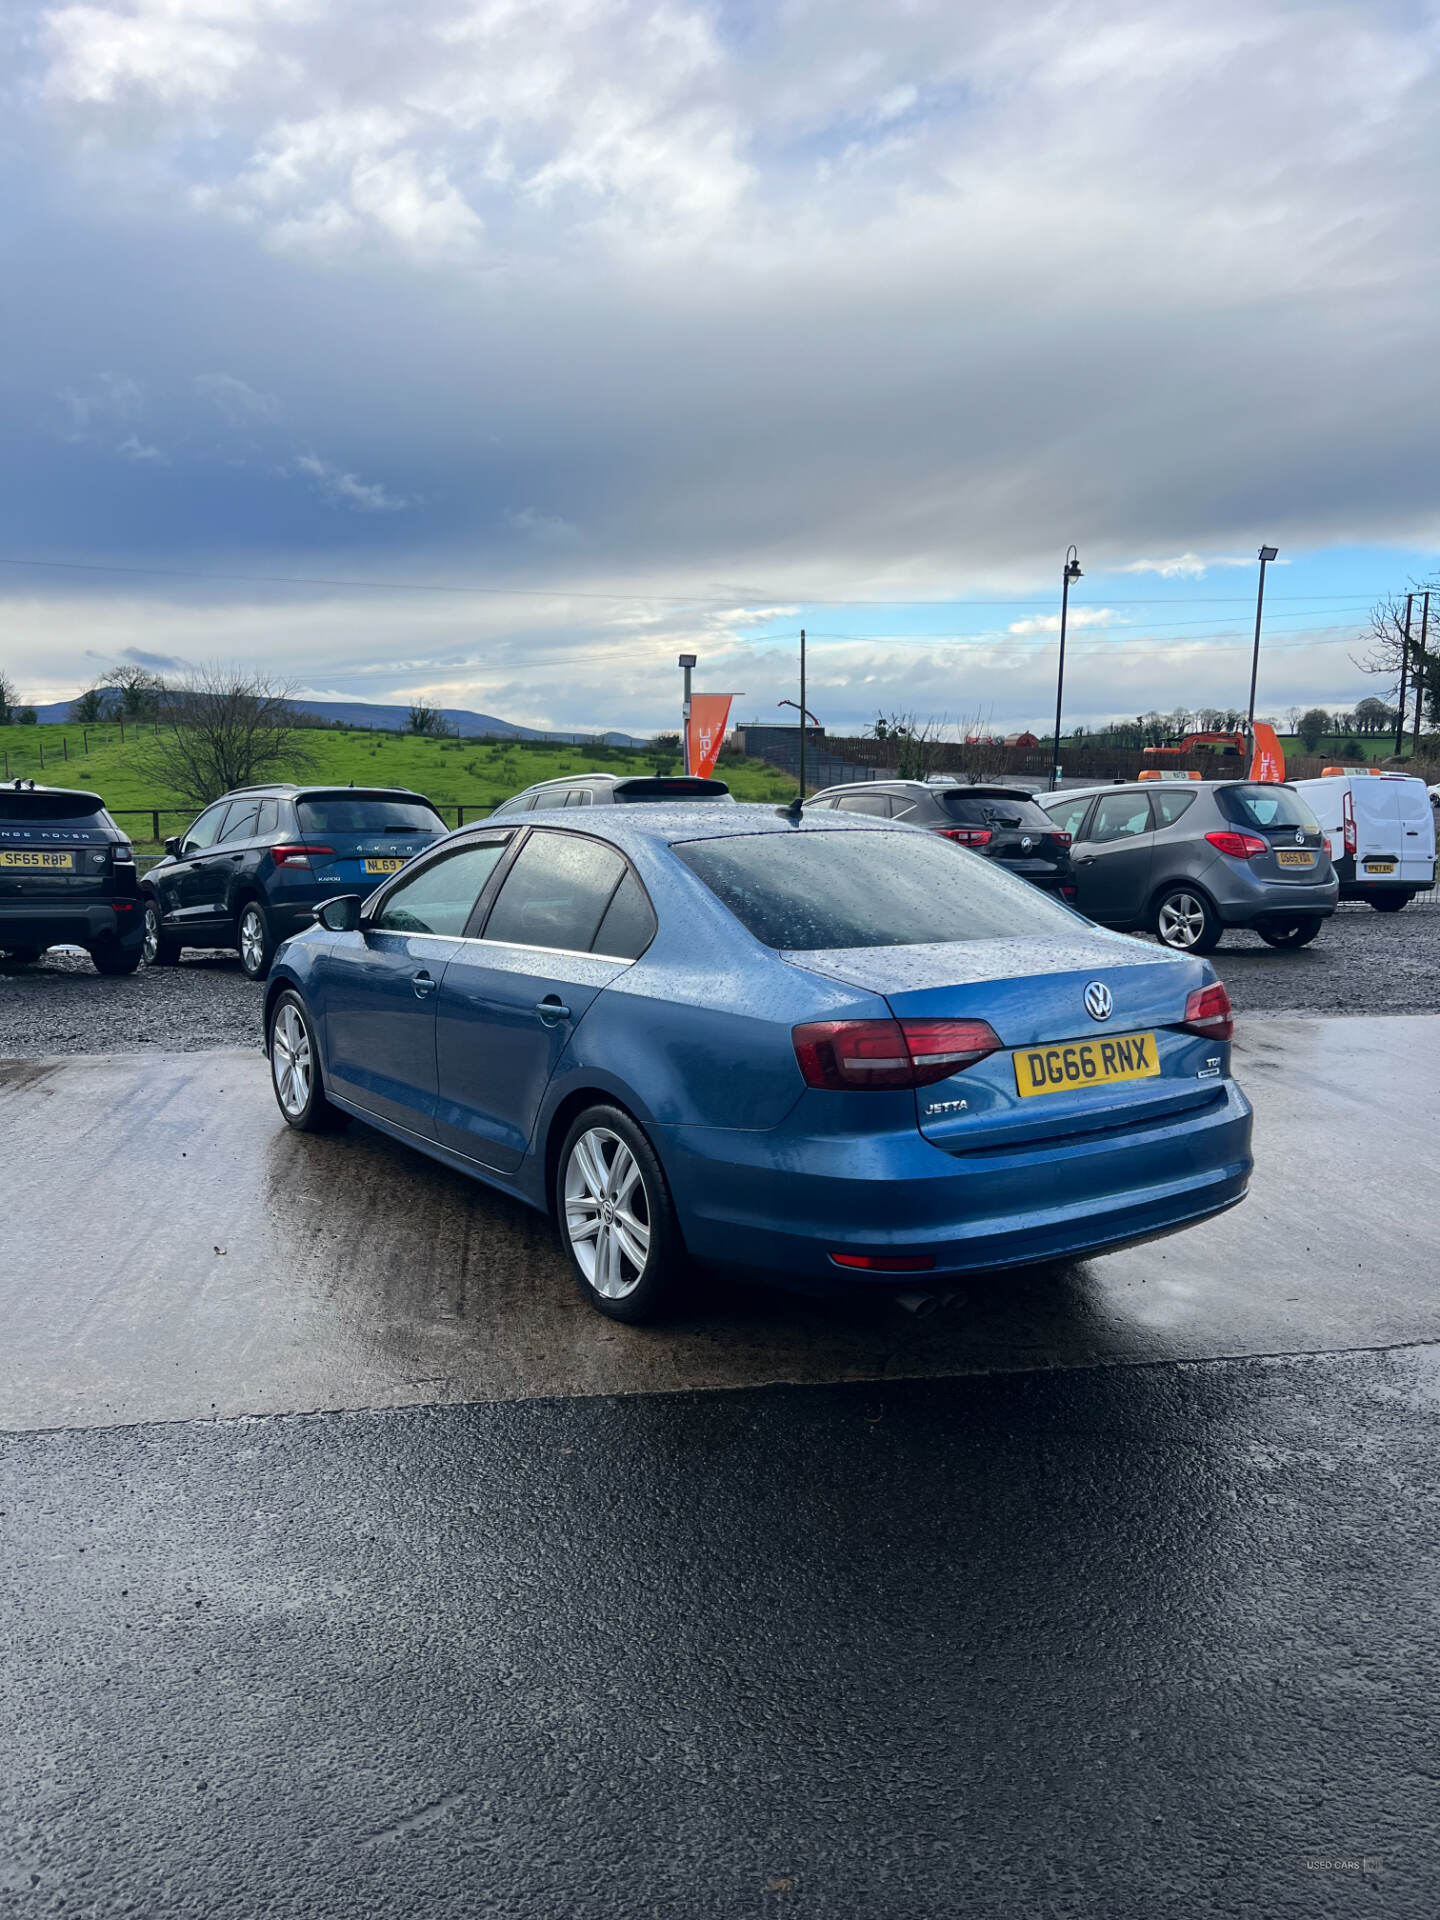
1404, 668
802, 713
687, 665
1267, 554
1070, 572
1420, 671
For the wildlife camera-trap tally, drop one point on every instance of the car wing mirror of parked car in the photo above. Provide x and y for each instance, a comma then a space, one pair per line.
342, 914
172, 846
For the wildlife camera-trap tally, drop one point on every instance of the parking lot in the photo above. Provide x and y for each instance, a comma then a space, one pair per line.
356, 1566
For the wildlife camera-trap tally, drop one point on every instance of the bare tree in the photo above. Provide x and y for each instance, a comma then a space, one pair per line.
425, 720
1385, 647
222, 727
8, 697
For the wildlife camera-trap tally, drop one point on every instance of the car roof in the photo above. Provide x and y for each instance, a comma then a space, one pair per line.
981, 789
330, 790
672, 822
34, 786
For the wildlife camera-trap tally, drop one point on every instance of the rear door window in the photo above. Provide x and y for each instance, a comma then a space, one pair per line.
240, 821
557, 892
441, 897
629, 923
1169, 804
876, 804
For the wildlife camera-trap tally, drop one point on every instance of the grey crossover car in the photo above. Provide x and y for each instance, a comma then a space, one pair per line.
1002, 823
612, 790
1186, 859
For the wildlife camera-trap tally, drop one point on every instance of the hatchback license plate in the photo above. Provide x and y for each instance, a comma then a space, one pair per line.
35, 861
1289, 857
1379, 866
1085, 1063
381, 866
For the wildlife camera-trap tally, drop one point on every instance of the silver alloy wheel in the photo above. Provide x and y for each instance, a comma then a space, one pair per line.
252, 939
607, 1213
1182, 920
151, 942
290, 1059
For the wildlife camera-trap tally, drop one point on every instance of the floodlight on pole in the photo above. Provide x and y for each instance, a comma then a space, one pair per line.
687, 663
1070, 573
1267, 554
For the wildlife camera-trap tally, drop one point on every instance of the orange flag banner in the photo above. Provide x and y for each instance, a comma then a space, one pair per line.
709, 717
1267, 760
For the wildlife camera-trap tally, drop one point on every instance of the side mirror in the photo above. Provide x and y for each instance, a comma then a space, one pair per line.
172, 846
340, 915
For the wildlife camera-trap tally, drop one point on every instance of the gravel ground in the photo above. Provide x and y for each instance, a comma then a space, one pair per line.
1363, 962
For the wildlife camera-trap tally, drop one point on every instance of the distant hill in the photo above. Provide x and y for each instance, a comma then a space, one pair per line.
372, 713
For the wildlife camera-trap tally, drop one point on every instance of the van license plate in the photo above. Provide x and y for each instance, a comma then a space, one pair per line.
33, 861
381, 866
1085, 1063
1379, 866
1289, 857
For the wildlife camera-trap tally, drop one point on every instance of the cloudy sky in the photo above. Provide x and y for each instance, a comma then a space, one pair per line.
494, 353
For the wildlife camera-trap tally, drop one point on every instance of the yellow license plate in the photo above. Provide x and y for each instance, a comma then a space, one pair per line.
44, 862
381, 866
1288, 857
1379, 866
1085, 1063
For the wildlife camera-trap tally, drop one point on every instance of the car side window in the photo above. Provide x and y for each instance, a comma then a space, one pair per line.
1068, 815
441, 897
629, 923
874, 803
579, 797
1169, 804
206, 828
1120, 816
816, 806
556, 892
240, 821
269, 820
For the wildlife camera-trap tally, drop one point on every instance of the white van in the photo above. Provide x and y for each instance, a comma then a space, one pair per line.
1381, 828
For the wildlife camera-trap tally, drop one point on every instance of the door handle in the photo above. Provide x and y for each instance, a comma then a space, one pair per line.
550, 1010
423, 984
1084, 860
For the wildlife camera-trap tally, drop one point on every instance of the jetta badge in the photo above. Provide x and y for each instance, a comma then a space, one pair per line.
1098, 1003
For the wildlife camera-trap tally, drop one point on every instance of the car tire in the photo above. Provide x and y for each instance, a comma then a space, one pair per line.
23, 956
255, 939
295, 1067
1185, 921
113, 959
1389, 902
158, 948
628, 1265
1298, 932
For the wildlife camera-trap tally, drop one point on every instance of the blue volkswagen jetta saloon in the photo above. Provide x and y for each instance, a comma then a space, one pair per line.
818, 1047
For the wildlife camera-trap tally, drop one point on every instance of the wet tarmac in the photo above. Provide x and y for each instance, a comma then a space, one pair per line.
172, 1251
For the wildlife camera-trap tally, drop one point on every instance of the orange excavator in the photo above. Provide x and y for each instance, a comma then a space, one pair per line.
1227, 744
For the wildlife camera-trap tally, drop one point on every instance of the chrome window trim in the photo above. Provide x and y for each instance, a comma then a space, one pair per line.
514, 946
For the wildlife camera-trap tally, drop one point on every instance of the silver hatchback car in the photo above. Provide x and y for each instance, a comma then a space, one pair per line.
1187, 859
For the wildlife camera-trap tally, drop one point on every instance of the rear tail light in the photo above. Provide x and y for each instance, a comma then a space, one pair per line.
296, 856
886, 1262
1208, 1012
1064, 838
1069, 892
1239, 846
1347, 815
1329, 850
884, 1054
966, 836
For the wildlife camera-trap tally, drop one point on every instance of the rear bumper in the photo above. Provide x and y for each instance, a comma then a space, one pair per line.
782, 1204
1249, 905
54, 923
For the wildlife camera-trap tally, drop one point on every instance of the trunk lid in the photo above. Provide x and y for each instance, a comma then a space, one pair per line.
1032, 992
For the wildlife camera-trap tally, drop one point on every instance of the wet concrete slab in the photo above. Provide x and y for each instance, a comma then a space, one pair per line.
169, 1250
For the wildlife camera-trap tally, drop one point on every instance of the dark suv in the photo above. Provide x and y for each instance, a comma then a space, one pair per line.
67, 878
612, 790
1003, 823
253, 866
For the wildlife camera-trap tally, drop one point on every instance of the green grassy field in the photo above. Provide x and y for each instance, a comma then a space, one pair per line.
472, 773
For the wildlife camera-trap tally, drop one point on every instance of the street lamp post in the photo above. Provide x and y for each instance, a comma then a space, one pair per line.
1267, 554
1071, 572
687, 663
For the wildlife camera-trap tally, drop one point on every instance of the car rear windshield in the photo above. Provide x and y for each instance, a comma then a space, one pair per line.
1265, 806
804, 892
994, 810
677, 787
358, 813
23, 808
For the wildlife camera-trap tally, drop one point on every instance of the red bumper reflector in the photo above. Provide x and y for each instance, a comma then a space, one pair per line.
886, 1262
